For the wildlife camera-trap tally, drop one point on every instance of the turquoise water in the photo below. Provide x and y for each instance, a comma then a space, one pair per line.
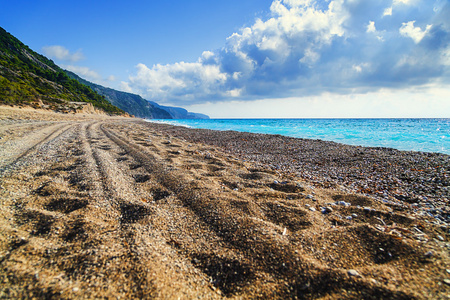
428, 135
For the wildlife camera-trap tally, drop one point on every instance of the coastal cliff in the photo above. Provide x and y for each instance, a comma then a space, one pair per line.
138, 106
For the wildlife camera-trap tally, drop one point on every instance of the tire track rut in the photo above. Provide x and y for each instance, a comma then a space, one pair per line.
272, 255
13, 151
111, 208
143, 245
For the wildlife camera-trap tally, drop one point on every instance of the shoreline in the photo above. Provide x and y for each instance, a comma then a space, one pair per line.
102, 207
308, 136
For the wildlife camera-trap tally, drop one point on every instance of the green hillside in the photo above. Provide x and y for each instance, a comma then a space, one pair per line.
28, 78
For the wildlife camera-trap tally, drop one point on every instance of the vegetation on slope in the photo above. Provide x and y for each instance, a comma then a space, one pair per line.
138, 106
131, 103
28, 78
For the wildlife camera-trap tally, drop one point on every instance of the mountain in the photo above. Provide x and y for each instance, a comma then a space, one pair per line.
131, 103
28, 78
138, 106
180, 113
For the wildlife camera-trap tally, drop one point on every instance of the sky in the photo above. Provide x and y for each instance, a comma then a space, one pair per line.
253, 58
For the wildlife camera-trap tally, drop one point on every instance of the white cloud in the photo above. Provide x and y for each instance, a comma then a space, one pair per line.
311, 47
428, 102
61, 53
161, 80
125, 86
361, 67
416, 33
206, 55
264, 49
111, 78
236, 75
310, 57
398, 4
405, 2
84, 72
387, 11
234, 93
371, 27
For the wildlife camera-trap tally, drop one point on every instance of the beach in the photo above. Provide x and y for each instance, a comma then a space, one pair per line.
113, 207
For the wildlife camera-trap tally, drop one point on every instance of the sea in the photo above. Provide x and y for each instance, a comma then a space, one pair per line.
426, 135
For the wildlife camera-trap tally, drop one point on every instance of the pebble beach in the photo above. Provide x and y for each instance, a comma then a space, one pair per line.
418, 182
112, 207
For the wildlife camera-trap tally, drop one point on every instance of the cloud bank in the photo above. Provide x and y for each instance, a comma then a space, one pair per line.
307, 48
61, 53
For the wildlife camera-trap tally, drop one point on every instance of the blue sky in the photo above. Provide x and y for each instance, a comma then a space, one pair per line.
253, 58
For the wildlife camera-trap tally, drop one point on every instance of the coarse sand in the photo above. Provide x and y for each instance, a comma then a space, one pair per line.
111, 207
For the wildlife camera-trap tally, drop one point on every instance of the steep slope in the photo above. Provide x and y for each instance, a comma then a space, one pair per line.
131, 103
28, 78
138, 106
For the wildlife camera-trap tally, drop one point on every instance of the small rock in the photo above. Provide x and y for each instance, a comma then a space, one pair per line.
349, 218
75, 289
312, 208
343, 203
309, 197
429, 254
448, 271
447, 281
440, 238
353, 273
326, 210
354, 215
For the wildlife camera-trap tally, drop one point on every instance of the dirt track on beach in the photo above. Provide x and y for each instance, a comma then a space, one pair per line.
99, 207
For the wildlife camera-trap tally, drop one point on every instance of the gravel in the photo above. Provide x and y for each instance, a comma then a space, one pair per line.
416, 181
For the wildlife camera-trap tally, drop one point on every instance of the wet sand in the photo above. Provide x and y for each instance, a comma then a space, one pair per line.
99, 207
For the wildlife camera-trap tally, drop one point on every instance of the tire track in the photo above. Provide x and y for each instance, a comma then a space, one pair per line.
26, 146
143, 246
204, 252
270, 253
113, 192
113, 208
